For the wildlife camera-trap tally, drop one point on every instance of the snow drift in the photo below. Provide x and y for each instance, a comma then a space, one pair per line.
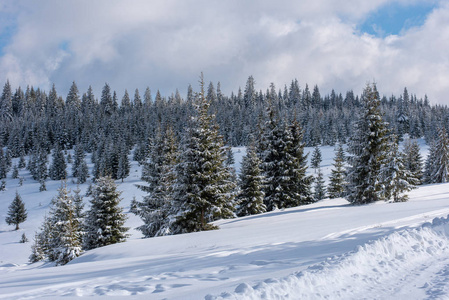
382, 267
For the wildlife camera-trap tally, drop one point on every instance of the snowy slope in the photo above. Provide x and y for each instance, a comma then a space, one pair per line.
252, 257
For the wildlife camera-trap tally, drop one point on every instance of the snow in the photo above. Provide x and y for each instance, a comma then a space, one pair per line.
328, 249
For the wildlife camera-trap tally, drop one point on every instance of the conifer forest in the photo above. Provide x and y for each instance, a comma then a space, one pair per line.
184, 147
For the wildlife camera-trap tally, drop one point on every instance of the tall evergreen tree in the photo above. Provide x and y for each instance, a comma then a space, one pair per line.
396, 178
156, 209
316, 159
319, 188
16, 212
336, 187
204, 187
367, 150
284, 165
105, 220
250, 197
58, 166
430, 164
440, 169
79, 169
65, 239
413, 159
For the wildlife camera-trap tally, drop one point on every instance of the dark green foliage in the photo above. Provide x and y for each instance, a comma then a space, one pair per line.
316, 159
437, 164
367, 150
104, 224
284, 165
58, 166
60, 237
396, 178
23, 239
204, 188
336, 187
413, 159
16, 212
15, 172
250, 197
319, 187
156, 209
79, 169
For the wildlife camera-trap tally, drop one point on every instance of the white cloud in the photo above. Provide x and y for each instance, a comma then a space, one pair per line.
166, 44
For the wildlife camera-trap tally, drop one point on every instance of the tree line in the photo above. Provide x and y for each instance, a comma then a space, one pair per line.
188, 165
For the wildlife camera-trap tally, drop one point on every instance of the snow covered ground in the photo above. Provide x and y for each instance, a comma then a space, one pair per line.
327, 249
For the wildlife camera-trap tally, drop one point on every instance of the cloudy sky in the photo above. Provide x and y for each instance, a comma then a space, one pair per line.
336, 44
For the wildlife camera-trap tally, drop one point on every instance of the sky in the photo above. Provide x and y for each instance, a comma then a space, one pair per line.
165, 45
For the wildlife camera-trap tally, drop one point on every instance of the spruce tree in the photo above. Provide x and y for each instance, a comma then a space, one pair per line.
367, 150
316, 159
124, 165
156, 209
65, 239
204, 187
284, 165
15, 172
300, 182
413, 159
250, 197
319, 187
79, 169
23, 239
37, 249
58, 166
440, 171
17, 213
104, 224
336, 187
430, 164
394, 175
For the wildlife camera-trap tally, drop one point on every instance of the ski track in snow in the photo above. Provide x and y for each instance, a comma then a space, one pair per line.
408, 264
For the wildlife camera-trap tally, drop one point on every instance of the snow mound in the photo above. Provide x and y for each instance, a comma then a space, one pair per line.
373, 269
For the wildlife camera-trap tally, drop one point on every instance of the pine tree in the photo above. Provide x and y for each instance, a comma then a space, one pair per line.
316, 158
58, 166
15, 172
21, 162
413, 159
79, 169
37, 249
336, 187
3, 164
440, 170
300, 182
204, 187
394, 175
367, 150
250, 197
42, 186
105, 219
65, 239
123, 166
284, 165
156, 210
23, 239
17, 213
430, 164
319, 188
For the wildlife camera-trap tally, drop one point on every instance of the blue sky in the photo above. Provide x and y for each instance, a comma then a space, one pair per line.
165, 45
394, 18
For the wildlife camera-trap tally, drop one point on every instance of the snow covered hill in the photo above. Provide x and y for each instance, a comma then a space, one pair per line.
315, 251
